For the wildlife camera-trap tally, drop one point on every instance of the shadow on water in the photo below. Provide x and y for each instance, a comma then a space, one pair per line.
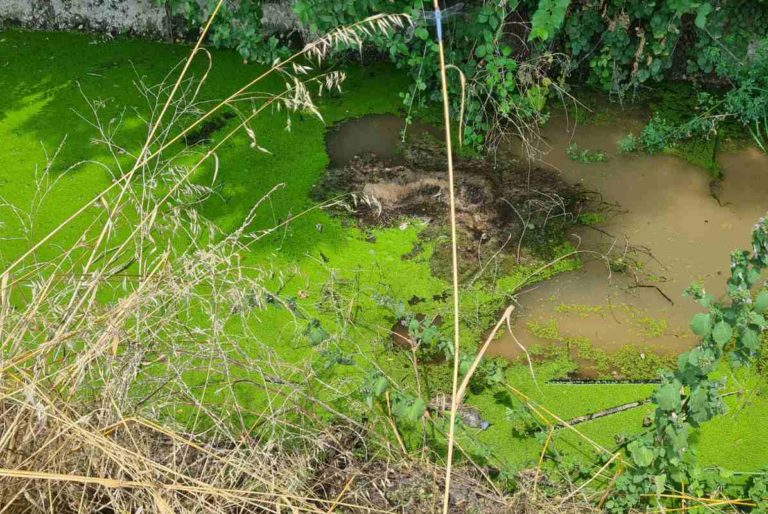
380, 134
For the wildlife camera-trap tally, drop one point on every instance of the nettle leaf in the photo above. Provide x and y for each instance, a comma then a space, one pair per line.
380, 386
701, 324
750, 339
668, 397
641, 454
547, 19
722, 333
701, 15
761, 302
416, 410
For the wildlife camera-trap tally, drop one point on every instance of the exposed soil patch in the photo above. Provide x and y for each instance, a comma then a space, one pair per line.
499, 206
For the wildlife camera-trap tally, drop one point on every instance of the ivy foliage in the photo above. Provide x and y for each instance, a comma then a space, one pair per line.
517, 54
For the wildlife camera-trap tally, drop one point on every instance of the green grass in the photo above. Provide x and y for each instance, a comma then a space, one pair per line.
332, 270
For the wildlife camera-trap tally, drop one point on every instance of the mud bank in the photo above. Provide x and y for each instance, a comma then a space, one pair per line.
501, 207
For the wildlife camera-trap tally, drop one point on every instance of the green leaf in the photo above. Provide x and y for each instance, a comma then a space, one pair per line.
725, 474
380, 386
722, 333
701, 324
641, 454
701, 15
465, 364
757, 319
668, 397
698, 405
753, 276
416, 410
315, 333
547, 19
537, 97
761, 302
750, 339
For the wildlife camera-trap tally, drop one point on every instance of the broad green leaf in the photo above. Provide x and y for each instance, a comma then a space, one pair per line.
750, 339
548, 18
668, 397
761, 302
753, 276
757, 319
537, 97
315, 333
416, 410
641, 454
465, 364
701, 324
380, 386
701, 14
698, 405
722, 333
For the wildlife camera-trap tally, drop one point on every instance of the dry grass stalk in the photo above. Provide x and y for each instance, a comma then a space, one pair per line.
112, 350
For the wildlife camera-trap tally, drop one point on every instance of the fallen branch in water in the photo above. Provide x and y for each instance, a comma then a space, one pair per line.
657, 288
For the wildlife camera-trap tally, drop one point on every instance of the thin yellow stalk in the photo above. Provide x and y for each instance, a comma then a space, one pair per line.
479, 357
541, 459
454, 266
112, 483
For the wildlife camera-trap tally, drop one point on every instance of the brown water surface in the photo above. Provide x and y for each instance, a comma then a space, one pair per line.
380, 134
663, 207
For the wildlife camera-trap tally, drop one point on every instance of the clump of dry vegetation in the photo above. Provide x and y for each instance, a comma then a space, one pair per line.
500, 204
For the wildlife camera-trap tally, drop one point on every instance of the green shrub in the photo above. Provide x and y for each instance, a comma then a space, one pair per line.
585, 156
628, 144
657, 135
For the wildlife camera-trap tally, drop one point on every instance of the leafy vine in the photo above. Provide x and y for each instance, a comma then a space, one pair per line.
689, 396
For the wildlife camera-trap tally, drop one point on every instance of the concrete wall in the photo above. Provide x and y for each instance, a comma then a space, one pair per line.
140, 17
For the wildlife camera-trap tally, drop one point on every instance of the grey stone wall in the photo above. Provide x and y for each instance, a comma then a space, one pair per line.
141, 17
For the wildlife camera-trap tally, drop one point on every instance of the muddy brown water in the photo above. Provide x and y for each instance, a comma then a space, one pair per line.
380, 134
662, 207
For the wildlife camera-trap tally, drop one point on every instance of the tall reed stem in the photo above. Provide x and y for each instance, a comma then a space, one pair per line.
454, 261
